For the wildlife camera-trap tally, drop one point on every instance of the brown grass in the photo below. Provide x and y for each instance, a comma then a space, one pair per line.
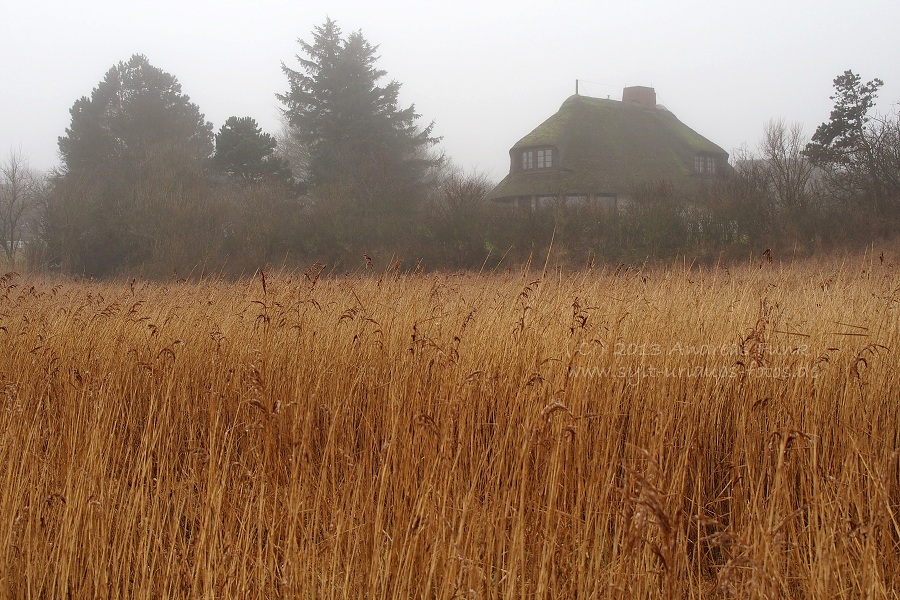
445, 436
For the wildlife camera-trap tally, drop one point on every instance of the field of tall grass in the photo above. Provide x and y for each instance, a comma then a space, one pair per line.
613, 433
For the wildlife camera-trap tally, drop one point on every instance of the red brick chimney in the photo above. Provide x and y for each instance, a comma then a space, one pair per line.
641, 95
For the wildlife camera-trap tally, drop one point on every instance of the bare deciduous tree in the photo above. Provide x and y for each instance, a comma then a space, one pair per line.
459, 216
20, 187
460, 195
788, 173
885, 141
291, 150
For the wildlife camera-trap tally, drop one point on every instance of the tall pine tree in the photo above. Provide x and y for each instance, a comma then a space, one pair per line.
859, 153
365, 151
842, 140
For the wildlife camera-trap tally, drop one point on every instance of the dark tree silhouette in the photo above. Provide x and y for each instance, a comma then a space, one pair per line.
136, 108
246, 153
133, 173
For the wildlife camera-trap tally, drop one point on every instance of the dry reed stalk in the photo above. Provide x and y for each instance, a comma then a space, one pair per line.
659, 432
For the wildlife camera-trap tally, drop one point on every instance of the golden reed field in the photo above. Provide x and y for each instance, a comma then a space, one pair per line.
614, 433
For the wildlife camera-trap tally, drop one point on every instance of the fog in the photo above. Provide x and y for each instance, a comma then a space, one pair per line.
485, 72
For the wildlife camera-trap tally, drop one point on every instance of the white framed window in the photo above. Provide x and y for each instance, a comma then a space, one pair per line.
705, 166
545, 158
527, 160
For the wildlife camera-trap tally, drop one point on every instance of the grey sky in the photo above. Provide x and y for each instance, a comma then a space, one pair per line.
485, 72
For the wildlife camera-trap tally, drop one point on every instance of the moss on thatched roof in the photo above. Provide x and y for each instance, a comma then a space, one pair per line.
604, 148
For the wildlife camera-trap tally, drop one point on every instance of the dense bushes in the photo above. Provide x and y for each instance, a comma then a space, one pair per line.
182, 219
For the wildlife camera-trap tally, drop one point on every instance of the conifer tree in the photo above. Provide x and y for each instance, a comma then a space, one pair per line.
246, 153
364, 149
859, 152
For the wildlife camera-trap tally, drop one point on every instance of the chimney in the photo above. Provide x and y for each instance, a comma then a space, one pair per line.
640, 95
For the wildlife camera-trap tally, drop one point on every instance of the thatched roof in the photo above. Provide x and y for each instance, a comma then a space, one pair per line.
604, 147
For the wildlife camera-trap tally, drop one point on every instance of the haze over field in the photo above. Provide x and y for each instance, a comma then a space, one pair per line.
486, 73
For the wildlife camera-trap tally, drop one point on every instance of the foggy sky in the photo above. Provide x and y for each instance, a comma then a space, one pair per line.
485, 72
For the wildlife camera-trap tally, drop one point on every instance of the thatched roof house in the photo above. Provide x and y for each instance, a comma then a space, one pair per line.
595, 149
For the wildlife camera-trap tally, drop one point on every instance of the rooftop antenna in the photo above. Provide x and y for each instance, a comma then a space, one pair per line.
576, 87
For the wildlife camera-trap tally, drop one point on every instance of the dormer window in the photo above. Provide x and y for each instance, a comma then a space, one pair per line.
537, 158
705, 165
